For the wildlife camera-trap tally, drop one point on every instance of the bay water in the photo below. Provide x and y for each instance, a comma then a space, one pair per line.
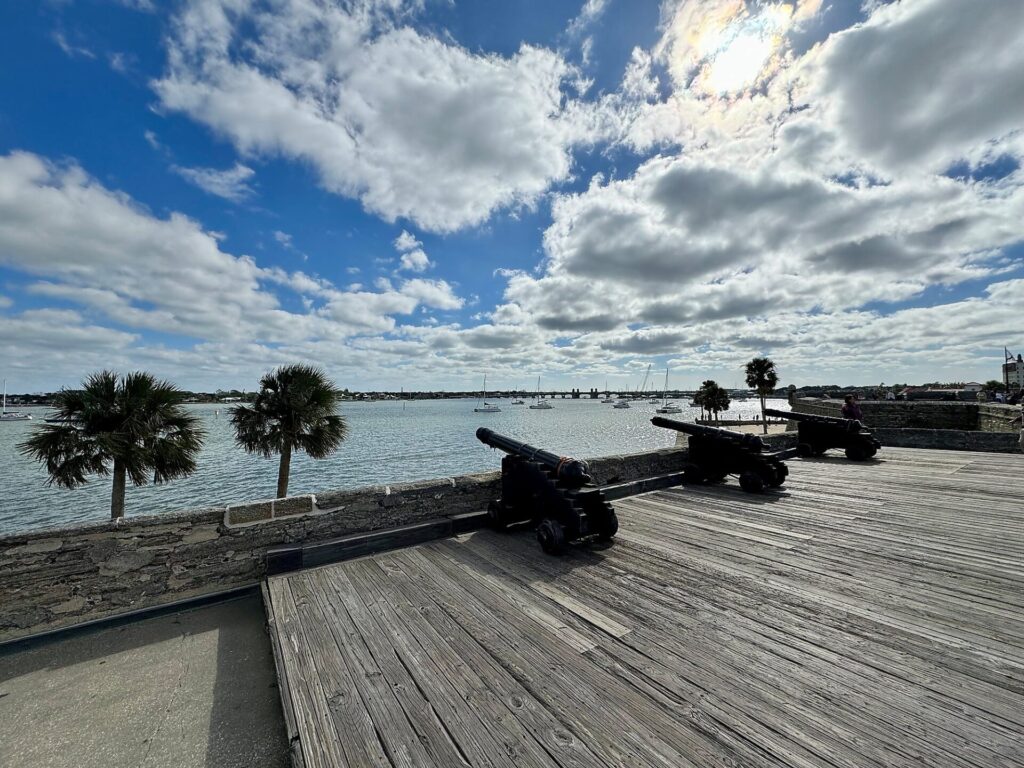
389, 442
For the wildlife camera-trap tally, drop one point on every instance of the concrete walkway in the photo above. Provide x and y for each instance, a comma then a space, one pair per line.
194, 688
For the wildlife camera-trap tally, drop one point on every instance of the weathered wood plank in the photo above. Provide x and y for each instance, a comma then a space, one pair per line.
862, 615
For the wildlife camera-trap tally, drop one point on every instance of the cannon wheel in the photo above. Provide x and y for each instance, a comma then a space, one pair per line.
692, 474
751, 482
551, 535
777, 478
496, 514
805, 450
858, 453
609, 527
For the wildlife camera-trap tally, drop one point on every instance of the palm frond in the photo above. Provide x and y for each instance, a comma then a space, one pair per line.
296, 407
136, 420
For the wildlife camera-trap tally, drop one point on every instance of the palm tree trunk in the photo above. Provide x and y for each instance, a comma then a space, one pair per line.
283, 471
764, 419
117, 492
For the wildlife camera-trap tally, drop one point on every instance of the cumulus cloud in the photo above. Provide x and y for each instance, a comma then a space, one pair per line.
413, 257
921, 85
231, 184
415, 261
413, 126
432, 293
406, 242
757, 207
100, 249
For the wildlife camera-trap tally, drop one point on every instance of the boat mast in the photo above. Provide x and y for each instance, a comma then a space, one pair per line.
664, 395
3, 408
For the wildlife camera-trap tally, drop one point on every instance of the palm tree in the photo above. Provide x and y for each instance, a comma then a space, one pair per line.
698, 400
132, 427
295, 410
714, 398
763, 378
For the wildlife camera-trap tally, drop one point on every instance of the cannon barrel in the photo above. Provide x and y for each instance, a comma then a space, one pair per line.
572, 471
850, 424
748, 441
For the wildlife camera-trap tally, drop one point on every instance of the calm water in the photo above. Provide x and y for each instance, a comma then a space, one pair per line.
388, 442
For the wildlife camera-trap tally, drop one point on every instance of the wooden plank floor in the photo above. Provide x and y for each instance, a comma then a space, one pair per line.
863, 615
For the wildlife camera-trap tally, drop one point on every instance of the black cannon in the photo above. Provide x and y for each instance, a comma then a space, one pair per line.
717, 453
816, 434
556, 493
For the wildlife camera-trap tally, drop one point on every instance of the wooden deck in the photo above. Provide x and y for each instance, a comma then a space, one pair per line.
864, 615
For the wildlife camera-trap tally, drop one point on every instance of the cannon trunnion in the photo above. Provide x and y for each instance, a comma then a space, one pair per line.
717, 453
555, 493
817, 434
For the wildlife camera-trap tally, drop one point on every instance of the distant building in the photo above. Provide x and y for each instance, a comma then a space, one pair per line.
973, 386
1013, 371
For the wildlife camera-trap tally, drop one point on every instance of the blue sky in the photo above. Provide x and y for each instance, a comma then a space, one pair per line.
414, 193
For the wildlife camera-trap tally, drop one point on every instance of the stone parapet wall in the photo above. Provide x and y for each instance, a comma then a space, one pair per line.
65, 576
922, 414
993, 417
950, 439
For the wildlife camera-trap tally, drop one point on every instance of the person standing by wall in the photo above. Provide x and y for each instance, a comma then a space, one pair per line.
851, 410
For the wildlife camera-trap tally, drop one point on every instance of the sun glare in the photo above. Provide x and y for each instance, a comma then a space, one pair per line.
739, 63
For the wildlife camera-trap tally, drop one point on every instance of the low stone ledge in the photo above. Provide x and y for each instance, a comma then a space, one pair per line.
950, 440
269, 509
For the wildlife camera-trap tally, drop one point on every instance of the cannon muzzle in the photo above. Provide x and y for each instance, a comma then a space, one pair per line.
747, 441
852, 425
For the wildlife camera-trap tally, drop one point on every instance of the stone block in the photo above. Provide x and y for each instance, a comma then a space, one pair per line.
74, 605
197, 535
126, 561
240, 514
294, 505
37, 547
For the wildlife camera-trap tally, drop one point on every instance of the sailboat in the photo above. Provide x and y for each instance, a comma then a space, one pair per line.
518, 401
486, 407
666, 406
606, 398
13, 415
643, 387
541, 404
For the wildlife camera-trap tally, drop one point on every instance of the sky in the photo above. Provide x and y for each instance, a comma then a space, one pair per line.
416, 193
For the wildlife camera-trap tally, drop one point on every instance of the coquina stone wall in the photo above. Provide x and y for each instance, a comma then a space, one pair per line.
923, 414
66, 576
950, 439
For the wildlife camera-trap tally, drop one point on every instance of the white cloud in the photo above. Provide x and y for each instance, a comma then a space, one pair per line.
924, 84
70, 49
231, 184
153, 140
415, 261
5, 302
432, 293
102, 250
414, 258
591, 11
767, 206
413, 126
406, 242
